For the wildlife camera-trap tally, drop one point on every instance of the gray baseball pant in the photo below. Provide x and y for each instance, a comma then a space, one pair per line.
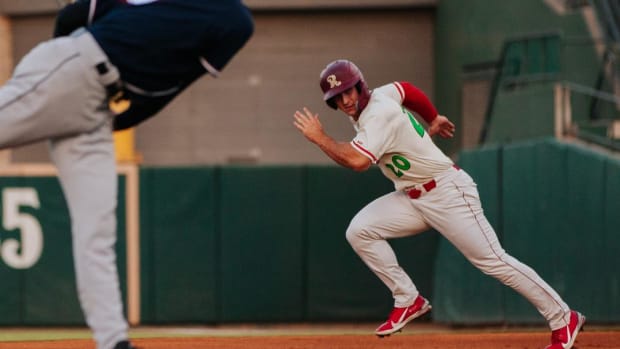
56, 94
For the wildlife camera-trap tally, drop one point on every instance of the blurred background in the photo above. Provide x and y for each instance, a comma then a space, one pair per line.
239, 219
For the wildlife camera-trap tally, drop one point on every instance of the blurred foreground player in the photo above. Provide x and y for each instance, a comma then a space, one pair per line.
146, 51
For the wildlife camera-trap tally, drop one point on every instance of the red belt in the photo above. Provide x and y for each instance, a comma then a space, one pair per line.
415, 193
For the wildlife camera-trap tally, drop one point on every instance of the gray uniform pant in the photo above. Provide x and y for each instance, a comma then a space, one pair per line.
56, 94
453, 208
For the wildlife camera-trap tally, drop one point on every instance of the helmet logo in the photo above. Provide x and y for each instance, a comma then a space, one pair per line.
333, 81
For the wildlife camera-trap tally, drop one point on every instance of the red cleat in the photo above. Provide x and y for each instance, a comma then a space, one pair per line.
399, 317
563, 338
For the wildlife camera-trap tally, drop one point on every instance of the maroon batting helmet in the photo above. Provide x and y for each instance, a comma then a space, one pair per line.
339, 76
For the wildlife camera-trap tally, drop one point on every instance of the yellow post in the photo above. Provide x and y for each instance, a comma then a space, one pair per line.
6, 49
124, 141
124, 146
6, 66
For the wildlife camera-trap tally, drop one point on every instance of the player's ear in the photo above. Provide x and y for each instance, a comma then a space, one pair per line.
332, 102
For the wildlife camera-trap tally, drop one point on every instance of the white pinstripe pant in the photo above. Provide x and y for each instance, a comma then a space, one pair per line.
453, 208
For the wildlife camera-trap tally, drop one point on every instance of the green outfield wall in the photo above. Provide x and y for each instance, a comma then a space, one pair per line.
37, 279
555, 207
266, 244
263, 244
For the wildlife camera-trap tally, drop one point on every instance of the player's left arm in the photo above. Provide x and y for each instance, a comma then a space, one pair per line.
342, 153
414, 99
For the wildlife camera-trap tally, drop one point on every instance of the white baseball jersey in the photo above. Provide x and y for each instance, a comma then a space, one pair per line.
390, 136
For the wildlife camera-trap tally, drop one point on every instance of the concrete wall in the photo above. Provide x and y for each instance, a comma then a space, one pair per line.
246, 115
14, 7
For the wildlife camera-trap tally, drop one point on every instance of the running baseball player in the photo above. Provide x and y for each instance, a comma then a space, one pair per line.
431, 192
147, 49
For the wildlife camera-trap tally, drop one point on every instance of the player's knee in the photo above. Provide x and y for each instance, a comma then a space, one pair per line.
353, 233
359, 232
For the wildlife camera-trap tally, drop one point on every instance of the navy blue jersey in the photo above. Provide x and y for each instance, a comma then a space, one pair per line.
161, 47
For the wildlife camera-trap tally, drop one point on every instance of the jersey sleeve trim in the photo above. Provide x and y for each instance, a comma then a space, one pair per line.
364, 152
415, 100
400, 90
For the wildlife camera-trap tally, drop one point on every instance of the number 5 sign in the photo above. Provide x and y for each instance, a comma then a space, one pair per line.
36, 246
24, 254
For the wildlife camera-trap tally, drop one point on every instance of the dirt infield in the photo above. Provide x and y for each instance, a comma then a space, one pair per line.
508, 340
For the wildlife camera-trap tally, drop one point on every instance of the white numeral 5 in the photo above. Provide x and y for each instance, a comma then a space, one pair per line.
31, 233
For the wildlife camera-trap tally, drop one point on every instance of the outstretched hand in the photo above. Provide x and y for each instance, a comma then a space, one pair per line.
443, 126
309, 125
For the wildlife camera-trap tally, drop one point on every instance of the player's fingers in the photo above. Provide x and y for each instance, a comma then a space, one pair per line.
300, 117
447, 134
310, 114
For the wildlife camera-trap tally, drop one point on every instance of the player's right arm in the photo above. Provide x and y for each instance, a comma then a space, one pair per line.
342, 153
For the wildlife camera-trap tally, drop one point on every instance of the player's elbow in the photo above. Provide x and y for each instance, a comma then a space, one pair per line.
359, 164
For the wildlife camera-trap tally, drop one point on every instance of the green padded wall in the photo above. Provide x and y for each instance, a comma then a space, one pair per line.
179, 244
11, 291
611, 240
262, 267
121, 239
339, 285
534, 214
30, 295
585, 277
52, 277
559, 215
263, 244
45, 293
462, 293
266, 244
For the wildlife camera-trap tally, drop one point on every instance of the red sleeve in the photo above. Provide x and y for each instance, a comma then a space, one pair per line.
415, 100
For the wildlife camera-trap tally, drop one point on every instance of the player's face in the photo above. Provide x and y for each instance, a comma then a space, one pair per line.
347, 101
